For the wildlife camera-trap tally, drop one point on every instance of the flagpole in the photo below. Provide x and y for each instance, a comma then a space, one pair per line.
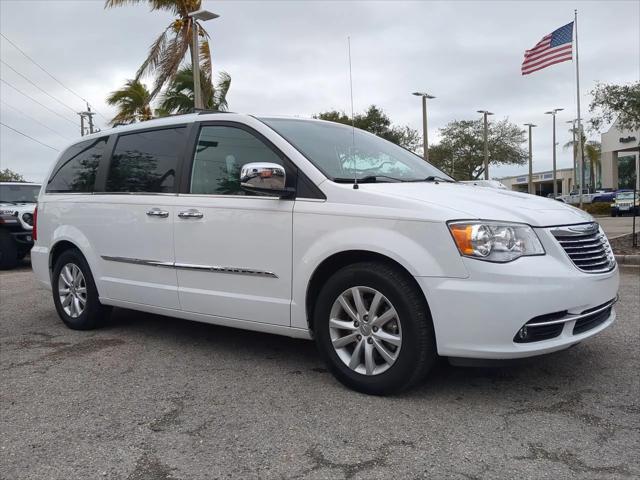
580, 156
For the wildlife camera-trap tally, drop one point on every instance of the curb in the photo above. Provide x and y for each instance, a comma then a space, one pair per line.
628, 259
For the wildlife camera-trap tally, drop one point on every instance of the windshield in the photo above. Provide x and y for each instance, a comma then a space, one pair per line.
624, 196
19, 193
341, 154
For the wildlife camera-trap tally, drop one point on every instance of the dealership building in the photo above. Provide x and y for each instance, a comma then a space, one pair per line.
619, 166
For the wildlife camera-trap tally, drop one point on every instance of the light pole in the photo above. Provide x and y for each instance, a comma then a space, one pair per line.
553, 114
575, 150
425, 135
203, 16
530, 187
485, 114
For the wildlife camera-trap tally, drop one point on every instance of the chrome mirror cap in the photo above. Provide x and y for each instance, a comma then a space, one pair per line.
265, 178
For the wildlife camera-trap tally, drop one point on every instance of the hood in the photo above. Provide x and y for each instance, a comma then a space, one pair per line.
471, 202
8, 208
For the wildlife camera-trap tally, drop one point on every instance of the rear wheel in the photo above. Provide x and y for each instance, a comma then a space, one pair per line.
74, 292
373, 328
8, 251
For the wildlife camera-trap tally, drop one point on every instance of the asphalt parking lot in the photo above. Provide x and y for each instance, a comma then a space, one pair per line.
151, 398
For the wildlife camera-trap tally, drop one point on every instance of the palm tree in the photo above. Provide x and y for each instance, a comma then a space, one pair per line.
133, 102
591, 150
179, 98
168, 50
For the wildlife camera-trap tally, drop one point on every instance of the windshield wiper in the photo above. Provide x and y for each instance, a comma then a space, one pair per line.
367, 179
435, 178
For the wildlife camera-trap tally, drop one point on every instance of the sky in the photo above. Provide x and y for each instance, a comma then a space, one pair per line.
290, 58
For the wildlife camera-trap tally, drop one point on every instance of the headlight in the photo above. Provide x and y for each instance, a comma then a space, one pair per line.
495, 241
27, 218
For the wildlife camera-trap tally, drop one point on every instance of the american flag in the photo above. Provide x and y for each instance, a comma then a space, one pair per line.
553, 48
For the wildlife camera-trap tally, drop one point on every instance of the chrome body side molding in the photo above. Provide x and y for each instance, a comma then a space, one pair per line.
138, 261
188, 266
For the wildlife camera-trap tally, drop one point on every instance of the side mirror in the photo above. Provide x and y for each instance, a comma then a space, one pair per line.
265, 178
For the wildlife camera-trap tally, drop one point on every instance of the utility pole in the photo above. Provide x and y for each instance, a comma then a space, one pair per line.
81, 123
531, 190
555, 182
485, 114
425, 133
88, 114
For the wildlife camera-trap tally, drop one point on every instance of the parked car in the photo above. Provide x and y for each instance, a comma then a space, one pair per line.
604, 195
17, 204
624, 204
313, 229
573, 197
486, 183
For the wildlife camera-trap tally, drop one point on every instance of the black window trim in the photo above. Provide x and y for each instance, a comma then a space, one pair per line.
59, 164
293, 172
104, 167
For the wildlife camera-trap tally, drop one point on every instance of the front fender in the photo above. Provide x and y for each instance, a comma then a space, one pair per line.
424, 249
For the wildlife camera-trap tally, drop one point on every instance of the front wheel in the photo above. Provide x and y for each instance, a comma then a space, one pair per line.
74, 292
373, 328
8, 251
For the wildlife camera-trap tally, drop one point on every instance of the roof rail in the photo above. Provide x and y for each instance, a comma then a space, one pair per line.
206, 112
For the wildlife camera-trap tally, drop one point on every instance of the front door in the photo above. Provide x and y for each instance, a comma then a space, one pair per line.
232, 248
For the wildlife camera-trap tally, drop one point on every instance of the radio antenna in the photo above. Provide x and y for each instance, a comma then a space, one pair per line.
353, 126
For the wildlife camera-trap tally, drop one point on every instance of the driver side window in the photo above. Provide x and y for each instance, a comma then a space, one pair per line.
220, 154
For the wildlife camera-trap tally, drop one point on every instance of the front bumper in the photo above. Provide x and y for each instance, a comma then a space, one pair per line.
479, 316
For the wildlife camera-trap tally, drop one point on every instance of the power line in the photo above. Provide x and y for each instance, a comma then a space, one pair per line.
39, 88
41, 104
45, 71
35, 120
30, 138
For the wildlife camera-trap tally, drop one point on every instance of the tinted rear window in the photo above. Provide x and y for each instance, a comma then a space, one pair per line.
146, 161
77, 167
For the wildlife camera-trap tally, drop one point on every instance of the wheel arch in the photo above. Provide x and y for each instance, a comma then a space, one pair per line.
339, 260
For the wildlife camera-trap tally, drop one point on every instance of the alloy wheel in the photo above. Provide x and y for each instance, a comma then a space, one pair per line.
72, 290
365, 330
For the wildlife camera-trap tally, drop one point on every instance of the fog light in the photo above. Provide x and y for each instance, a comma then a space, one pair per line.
522, 333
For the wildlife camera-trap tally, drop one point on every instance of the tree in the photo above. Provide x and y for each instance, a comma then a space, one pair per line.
168, 50
7, 175
590, 151
611, 102
461, 149
133, 102
374, 120
179, 97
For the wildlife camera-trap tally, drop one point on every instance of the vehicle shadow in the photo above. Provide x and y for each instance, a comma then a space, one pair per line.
548, 372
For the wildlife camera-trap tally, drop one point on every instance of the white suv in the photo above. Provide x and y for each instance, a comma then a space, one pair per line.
257, 223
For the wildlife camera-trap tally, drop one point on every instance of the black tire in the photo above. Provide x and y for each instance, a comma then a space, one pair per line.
417, 353
614, 214
8, 251
94, 313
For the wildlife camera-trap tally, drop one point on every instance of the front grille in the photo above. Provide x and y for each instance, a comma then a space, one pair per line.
592, 321
587, 247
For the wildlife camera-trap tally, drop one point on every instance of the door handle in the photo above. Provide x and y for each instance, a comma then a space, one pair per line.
191, 213
156, 212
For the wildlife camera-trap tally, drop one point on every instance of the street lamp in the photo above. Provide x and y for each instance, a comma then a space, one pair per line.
486, 113
203, 16
530, 186
425, 137
553, 114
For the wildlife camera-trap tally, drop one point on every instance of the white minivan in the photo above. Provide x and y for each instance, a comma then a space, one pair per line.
313, 229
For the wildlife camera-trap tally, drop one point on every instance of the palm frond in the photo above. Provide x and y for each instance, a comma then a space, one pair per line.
133, 102
205, 57
155, 54
171, 58
220, 91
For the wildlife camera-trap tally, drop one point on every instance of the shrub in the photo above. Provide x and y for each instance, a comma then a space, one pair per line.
599, 208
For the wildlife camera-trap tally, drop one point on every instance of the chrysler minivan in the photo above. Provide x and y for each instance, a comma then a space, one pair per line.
316, 230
